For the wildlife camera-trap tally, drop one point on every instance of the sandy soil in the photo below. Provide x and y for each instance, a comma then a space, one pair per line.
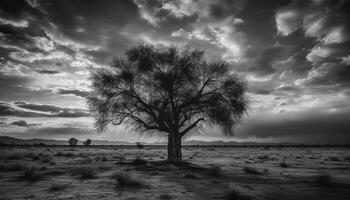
210, 173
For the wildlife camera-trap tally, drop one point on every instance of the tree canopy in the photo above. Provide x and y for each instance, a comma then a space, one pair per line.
167, 90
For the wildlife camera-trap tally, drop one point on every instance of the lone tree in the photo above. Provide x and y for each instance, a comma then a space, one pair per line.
73, 142
87, 142
167, 91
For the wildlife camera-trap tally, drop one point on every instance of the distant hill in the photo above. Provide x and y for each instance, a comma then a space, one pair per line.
16, 141
11, 140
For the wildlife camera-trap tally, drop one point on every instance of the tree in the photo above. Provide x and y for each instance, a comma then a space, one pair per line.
139, 145
73, 142
167, 91
87, 142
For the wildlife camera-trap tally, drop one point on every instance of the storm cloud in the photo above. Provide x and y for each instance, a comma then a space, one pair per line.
294, 55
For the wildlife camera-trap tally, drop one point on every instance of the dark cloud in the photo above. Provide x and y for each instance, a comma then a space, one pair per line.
315, 127
22, 123
51, 131
78, 93
23, 109
45, 71
263, 65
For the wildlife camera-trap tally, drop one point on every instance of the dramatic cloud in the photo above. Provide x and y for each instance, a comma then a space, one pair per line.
22, 123
23, 109
78, 93
294, 54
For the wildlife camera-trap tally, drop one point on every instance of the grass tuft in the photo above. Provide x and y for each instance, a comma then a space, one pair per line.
139, 162
126, 180
251, 170
30, 174
214, 171
58, 187
323, 179
86, 172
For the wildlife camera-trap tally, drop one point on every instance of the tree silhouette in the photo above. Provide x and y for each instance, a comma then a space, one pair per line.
167, 91
87, 142
73, 142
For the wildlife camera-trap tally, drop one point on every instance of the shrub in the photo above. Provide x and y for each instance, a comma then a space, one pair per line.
87, 172
334, 158
215, 171
30, 174
57, 187
126, 180
284, 164
323, 179
165, 197
251, 170
65, 154
139, 145
233, 194
190, 175
139, 162
11, 167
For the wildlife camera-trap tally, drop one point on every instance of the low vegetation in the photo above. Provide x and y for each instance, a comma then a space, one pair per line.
125, 179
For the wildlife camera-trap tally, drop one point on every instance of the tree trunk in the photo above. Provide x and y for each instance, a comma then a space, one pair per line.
174, 148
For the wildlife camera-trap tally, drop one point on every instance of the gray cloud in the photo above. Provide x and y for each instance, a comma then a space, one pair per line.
23, 109
78, 93
45, 71
23, 123
314, 127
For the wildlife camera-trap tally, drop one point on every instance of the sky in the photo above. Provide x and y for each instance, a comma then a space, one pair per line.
293, 54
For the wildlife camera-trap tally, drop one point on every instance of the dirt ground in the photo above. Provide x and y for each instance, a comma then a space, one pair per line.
208, 173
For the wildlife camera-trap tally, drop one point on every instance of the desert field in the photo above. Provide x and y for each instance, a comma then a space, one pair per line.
207, 173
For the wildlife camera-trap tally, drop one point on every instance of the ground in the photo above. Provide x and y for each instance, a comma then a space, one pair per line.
208, 173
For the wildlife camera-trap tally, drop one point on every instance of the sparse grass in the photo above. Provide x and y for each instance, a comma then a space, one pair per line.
86, 172
139, 162
283, 164
85, 161
165, 197
251, 170
31, 174
215, 171
7, 167
54, 172
334, 158
234, 194
58, 187
65, 154
347, 157
126, 180
323, 179
190, 175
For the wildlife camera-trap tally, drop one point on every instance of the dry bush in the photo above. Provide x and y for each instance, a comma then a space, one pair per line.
58, 187
323, 179
7, 167
165, 197
31, 174
86, 172
252, 170
234, 194
334, 158
65, 154
283, 164
214, 171
124, 179
139, 162
190, 175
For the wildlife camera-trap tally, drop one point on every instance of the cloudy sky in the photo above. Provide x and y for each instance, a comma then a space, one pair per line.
295, 56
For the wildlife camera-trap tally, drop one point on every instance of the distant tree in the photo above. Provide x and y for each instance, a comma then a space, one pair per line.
167, 91
73, 142
139, 145
87, 142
